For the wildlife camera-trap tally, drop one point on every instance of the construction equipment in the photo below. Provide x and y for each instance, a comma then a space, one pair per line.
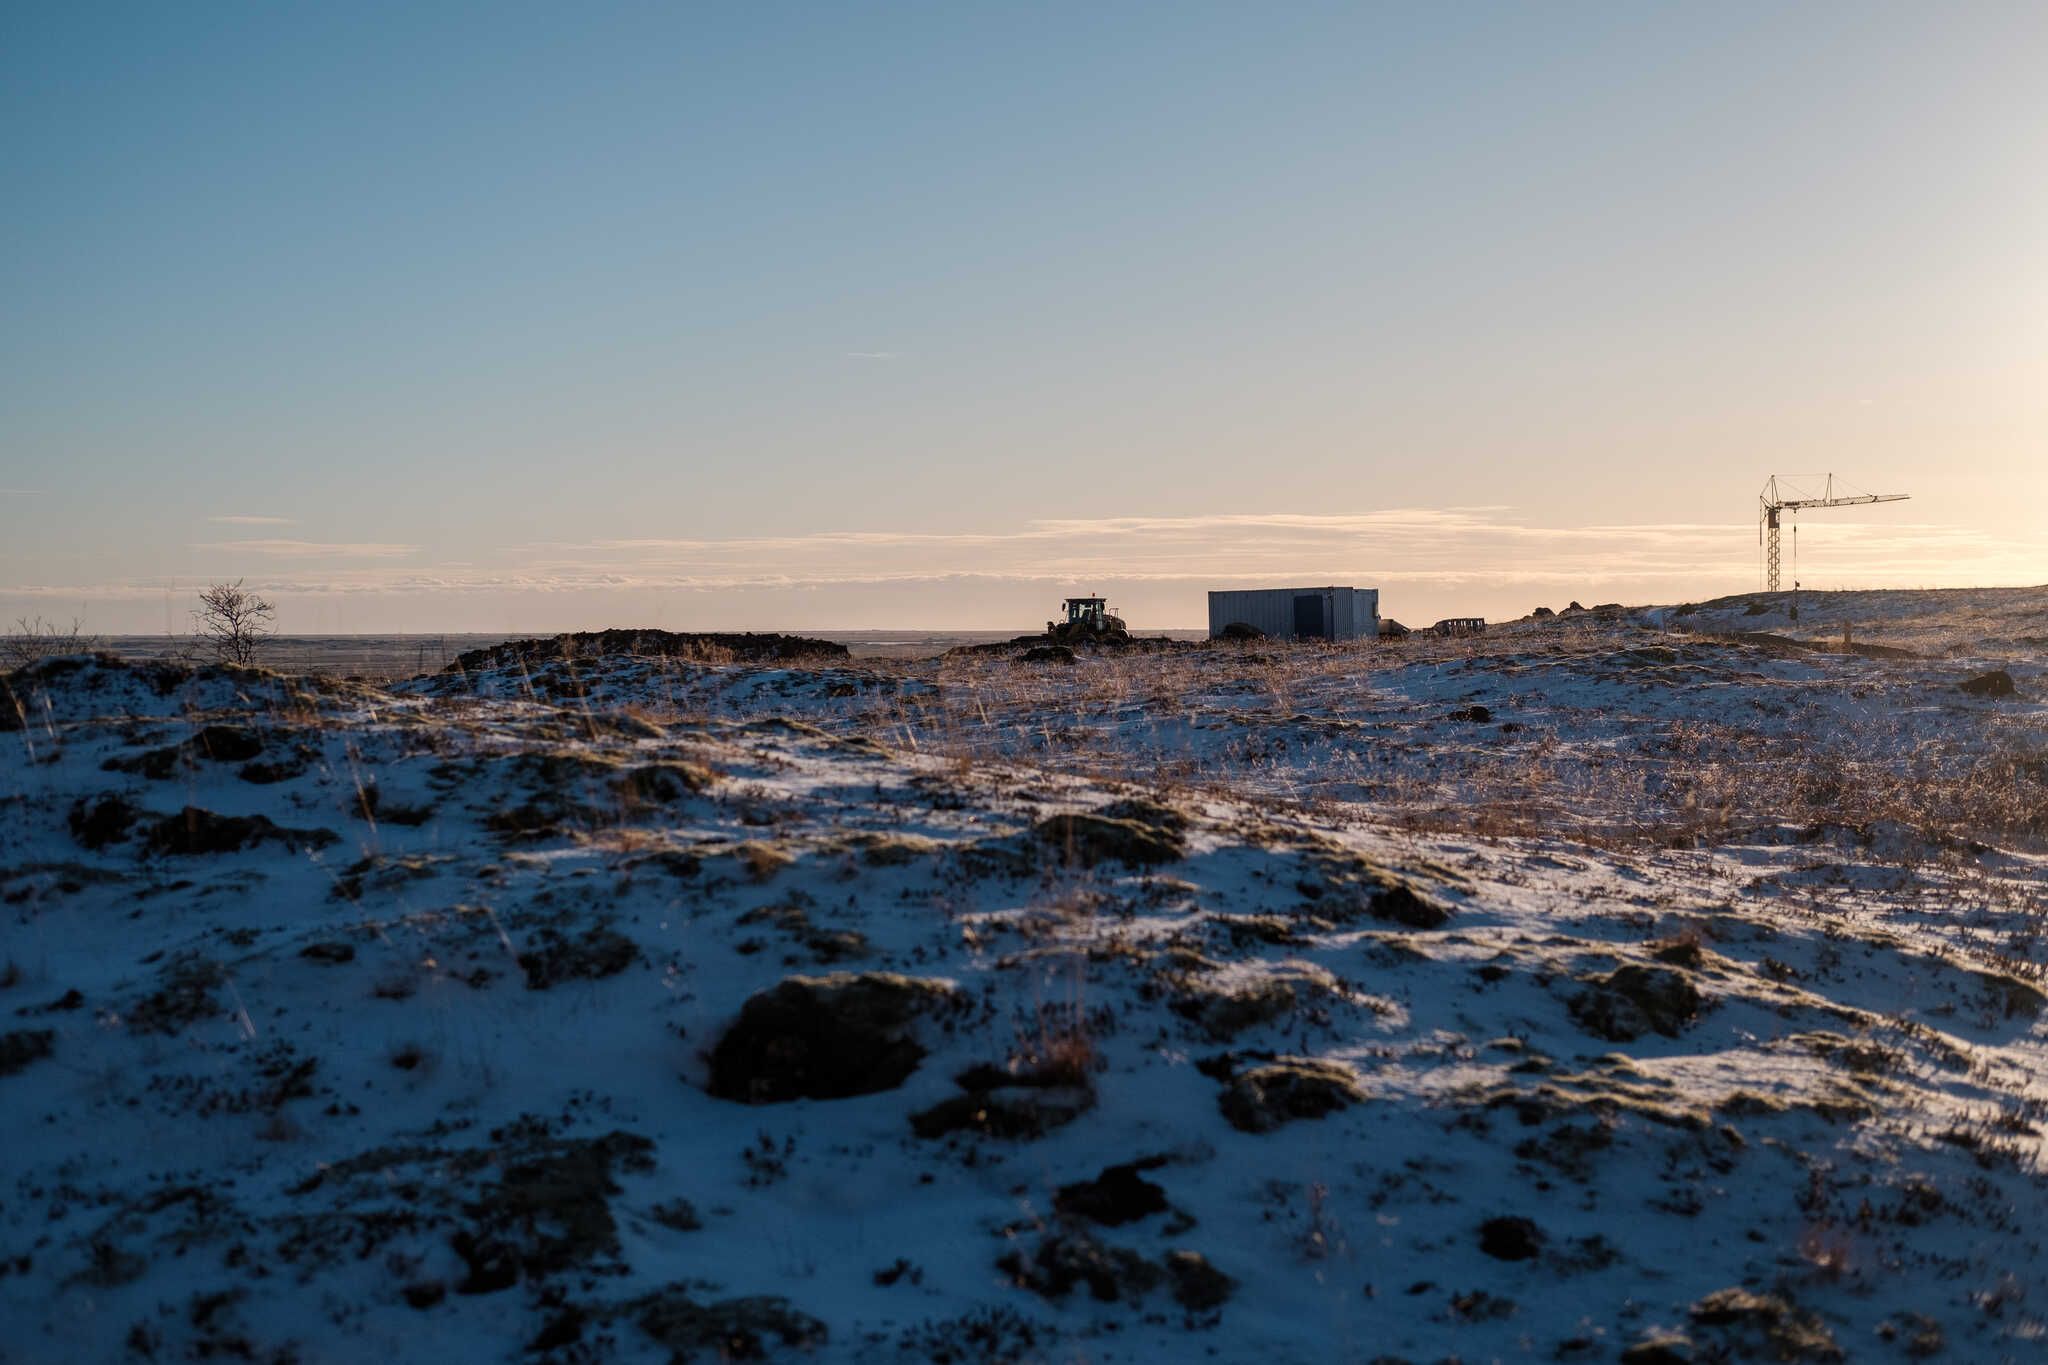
1088, 618
1773, 501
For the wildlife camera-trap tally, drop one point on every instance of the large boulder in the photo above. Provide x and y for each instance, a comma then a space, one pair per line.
826, 1037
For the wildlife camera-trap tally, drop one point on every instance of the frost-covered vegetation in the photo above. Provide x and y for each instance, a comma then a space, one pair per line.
1640, 987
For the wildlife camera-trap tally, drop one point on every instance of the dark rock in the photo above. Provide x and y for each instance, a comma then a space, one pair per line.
25, 1046
1119, 1195
1066, 1260
1766, 1326
102, 821
194, 831
1197, 1286
1014, 1115
1343, 885
492, 1265
1239, 630
425, 1293
729, 1329
184, 995
224, 744
825, 1037
1542, 612
1510, 1239
1288, 1088
1048, 654
1477, 715
549, 1211
1996, 683
1666, 1348
329, 953
597, 952
1089, 839
1633, 1000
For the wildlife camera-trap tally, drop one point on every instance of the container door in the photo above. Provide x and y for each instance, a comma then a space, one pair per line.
1308, 616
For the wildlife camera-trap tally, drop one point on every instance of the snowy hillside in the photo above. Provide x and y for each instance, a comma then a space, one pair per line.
1591, 994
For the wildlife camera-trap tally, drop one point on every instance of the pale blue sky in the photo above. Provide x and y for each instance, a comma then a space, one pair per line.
511, 317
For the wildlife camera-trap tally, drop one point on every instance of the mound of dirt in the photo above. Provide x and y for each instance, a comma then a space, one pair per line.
669, 644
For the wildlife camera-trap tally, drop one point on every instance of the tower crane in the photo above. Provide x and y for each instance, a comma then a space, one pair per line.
1773, 501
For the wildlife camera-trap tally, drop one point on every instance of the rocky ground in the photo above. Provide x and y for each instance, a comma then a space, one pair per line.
1584, 992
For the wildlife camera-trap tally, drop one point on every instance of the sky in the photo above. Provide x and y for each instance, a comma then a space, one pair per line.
508, 317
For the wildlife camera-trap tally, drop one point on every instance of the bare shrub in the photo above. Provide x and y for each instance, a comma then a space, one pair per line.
33, 640
234, 621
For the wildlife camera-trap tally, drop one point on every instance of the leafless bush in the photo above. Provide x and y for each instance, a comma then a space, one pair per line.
234, 621
32, 640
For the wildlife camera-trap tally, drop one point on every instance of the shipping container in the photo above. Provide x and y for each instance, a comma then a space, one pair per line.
1298, 613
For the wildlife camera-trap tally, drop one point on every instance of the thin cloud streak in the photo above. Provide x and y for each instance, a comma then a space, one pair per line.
243, 519
307, 549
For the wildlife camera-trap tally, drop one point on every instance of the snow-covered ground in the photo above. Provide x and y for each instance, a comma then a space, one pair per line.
1587, 991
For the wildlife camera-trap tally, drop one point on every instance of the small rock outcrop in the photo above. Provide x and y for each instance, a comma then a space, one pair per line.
826, 1038
1996, 683
1511, 1239
1119, 1195
1285, 1089
1633, 1000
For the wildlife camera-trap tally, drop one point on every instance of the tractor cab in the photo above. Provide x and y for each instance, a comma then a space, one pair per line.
1088, 613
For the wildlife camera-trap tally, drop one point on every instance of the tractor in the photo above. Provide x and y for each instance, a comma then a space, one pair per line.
1088, 619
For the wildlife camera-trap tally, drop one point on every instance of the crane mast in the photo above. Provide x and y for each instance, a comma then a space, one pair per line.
1772, 504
